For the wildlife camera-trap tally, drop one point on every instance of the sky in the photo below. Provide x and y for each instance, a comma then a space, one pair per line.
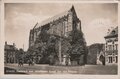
96, 19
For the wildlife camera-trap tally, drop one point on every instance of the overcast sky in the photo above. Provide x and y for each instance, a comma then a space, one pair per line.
96, 19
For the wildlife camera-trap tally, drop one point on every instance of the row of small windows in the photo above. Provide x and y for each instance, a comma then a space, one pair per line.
10, 53
112, 59
112, 40
10, 60
112, 47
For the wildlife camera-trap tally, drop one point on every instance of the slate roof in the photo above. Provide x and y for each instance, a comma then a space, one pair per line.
113, 33
65, 13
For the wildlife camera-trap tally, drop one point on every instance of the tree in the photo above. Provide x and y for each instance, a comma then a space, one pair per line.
78, 48
45, 45
20, 55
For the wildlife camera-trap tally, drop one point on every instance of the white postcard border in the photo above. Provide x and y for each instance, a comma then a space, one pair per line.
55, 75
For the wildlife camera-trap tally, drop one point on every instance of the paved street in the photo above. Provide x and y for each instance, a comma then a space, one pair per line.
46, 69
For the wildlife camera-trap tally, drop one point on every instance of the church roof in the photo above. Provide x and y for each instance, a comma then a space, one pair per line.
112, 33
65, 13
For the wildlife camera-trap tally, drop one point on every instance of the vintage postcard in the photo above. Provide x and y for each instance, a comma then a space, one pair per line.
60, 38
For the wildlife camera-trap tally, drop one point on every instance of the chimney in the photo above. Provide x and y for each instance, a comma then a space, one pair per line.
14, 44
5, 42
108, 31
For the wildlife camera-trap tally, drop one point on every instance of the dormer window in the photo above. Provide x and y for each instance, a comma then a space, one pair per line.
113, 32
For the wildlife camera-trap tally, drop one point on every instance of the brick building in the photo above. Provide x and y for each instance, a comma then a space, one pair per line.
10, 53
111, 47
61, 27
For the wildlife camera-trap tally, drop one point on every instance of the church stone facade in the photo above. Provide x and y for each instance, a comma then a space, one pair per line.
69, 43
